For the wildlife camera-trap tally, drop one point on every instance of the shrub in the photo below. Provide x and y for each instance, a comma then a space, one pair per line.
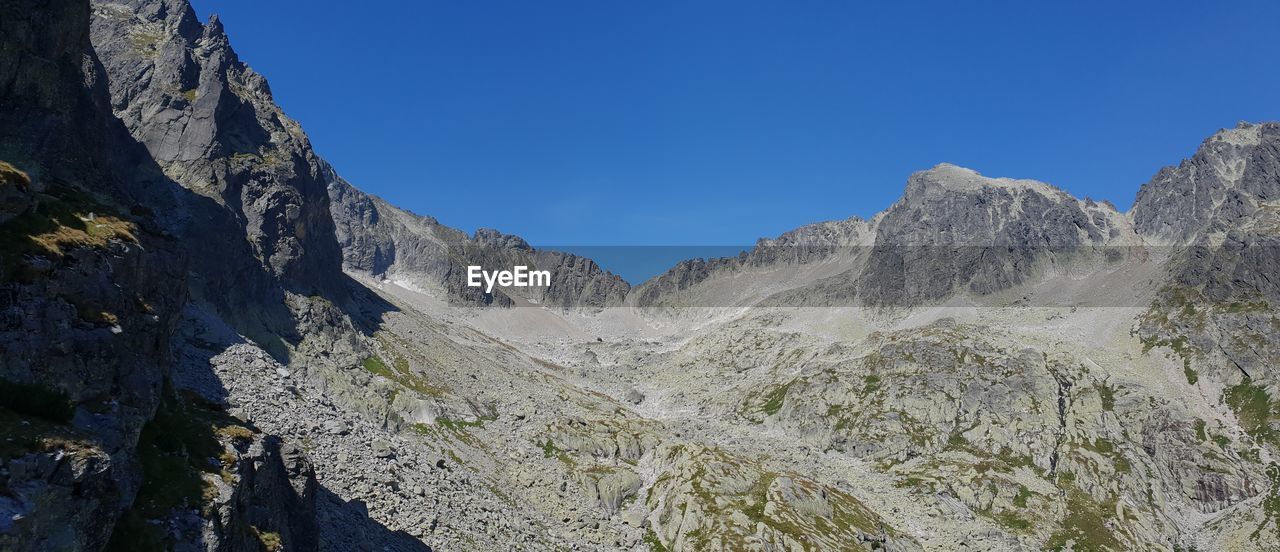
36, 400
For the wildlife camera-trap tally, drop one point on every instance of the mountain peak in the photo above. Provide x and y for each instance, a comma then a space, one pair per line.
1223, 184
946, 178
1244, 134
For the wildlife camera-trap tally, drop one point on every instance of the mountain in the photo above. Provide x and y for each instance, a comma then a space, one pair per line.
1231, 178
254, 208
952, 231
384, 242
93, 288
213, 341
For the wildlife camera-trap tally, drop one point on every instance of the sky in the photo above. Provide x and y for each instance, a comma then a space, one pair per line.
608, 122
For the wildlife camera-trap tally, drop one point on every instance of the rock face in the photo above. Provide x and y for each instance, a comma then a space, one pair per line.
808, 244
1233, 176
1003, 421
15, 192
88, 290
955, 230
211, 124
91, 286
386, 242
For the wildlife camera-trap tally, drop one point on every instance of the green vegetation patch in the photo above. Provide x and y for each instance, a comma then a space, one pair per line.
1084, 526
461, 425
1254, 409
1108, 449
1271, 504
376, 366
871, 384
11, 177
269, 541
774, 399
456, 428
759, 497
61, 220
176, 448
1108, 396
1012, 520
1243, 307
22, 433
145, 43
651, 539
1020, 500
401, 373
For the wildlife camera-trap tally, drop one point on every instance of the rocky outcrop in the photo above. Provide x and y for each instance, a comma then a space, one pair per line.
248, 173
1232, 176
953, 232
216, 483
88, 290
939, 395
957, 231
92, 284
15, 192
707, 499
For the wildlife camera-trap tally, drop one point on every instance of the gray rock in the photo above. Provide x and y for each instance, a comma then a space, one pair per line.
634, 396
210, 121
1227, 180
381, 448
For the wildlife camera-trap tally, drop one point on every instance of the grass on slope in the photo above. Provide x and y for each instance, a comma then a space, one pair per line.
61, 220
181, 444
1254, 409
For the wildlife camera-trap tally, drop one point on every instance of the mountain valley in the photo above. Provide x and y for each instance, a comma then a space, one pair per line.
212, 341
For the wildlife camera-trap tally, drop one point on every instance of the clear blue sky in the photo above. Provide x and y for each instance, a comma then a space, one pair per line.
609, 122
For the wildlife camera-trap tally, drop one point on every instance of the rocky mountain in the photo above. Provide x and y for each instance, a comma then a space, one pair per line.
382, 241
245, 168
212, 341
92, 288
952, 231
1231, 178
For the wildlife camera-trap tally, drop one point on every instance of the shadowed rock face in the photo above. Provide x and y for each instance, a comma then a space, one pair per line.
91, 282
88, 291
212, 125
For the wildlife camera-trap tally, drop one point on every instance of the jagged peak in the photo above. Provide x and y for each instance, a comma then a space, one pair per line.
1214, 190
214, 26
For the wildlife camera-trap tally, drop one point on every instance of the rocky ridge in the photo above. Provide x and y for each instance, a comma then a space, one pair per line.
385, 242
